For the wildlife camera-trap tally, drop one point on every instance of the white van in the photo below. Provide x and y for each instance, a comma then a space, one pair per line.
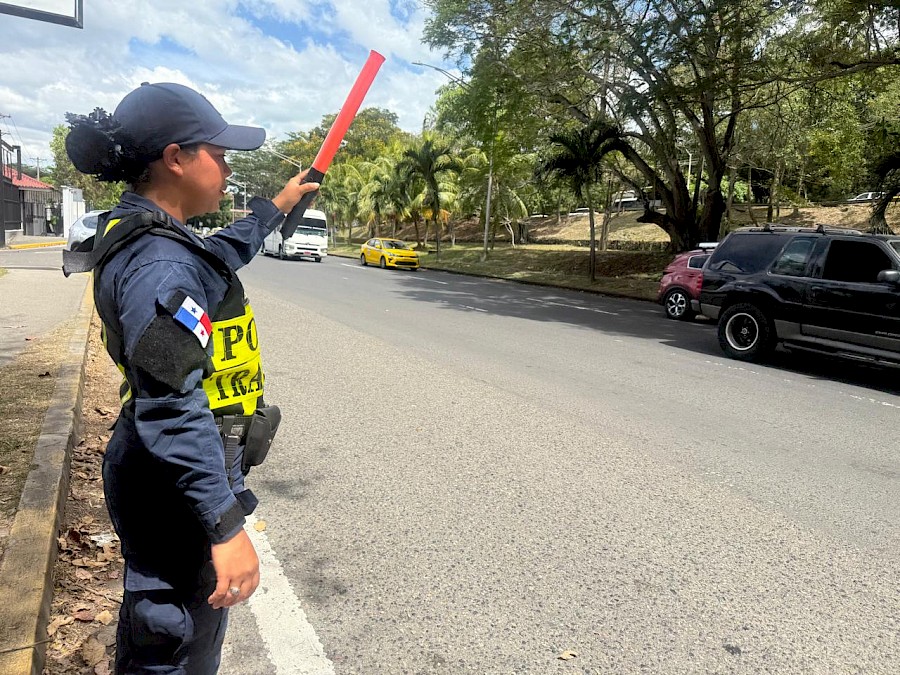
310, 240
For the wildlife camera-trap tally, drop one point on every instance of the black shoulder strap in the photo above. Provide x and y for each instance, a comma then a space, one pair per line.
97, 250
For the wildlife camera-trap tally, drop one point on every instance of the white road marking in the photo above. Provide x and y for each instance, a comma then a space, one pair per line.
292, 643
477, 309
434, 281
562, 304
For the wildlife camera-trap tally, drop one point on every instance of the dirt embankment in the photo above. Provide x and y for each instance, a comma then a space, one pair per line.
88, 575
625, 227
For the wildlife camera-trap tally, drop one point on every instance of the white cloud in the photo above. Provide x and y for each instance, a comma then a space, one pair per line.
216, 46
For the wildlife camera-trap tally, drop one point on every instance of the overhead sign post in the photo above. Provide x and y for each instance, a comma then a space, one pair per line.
63, 12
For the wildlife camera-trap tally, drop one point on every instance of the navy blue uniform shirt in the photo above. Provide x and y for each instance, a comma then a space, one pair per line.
167, 482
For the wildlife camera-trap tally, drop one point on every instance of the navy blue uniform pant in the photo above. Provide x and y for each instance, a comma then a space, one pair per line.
171, 631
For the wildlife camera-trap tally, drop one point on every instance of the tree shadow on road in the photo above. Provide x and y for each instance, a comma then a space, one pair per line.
626, 318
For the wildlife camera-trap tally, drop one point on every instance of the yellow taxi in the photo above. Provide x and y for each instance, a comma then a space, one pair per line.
388, 253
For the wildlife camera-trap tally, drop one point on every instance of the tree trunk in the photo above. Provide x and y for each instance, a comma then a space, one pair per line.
592, 265
418, 238
437, 237
732, 179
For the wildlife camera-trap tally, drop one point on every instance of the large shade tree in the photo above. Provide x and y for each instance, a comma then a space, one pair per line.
676, 76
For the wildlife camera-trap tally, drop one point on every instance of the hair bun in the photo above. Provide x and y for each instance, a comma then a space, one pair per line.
92, 145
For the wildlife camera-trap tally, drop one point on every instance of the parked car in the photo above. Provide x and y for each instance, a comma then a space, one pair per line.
389, 253
680, 283
866, 197
83, 228
823, 290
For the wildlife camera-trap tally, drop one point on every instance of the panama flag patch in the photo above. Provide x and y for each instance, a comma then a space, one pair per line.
192, 317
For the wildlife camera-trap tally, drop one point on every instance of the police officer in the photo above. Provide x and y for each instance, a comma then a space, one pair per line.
177, 324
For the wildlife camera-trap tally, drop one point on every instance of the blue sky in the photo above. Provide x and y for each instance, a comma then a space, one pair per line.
279, 64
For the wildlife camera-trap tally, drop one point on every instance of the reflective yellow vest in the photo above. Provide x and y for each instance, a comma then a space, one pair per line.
233, 379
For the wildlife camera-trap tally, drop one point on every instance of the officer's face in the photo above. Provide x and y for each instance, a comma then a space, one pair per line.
205, 174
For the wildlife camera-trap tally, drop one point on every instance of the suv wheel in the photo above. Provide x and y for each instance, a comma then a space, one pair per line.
746, 333
677, 305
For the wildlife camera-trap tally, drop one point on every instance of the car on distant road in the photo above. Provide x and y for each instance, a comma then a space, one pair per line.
83, 228
680, 283
387, 252
866, 197
309, 240
825, 290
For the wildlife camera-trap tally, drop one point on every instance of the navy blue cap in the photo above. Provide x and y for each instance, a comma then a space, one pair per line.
155, 115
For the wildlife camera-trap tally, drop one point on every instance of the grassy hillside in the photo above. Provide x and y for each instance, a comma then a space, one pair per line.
632, 273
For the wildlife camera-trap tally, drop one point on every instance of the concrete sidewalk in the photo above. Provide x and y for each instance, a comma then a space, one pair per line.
37, 299
17, 240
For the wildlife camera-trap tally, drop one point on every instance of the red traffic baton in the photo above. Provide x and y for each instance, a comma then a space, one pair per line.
333, 140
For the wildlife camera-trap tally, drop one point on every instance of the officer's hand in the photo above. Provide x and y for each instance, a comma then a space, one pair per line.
236, 566
293, 191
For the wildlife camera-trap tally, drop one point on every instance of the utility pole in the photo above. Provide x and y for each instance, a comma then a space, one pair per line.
37, 163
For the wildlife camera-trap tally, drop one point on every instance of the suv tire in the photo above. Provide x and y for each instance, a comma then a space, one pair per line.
746, 333
677, 305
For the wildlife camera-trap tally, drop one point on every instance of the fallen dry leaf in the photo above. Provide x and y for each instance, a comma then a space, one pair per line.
106, 636
44, 374
568, 655
103, 411
83, 574
105, 617
260, 526
4, 470
92, 651
102, 668
86, 615
57, 622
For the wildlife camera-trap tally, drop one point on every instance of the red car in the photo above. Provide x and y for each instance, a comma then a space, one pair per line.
681, 283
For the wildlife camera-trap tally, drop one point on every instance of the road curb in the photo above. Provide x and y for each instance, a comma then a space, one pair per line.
26, 573
41, 244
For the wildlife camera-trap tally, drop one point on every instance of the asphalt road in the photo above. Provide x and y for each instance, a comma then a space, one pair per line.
477, 476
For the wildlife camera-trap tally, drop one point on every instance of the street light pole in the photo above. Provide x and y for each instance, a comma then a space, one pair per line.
243, 187
289, 160
490, 179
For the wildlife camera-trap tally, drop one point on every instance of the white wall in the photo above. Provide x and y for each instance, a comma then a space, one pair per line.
72, 207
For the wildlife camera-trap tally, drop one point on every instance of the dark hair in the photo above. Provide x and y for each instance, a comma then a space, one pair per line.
98, 145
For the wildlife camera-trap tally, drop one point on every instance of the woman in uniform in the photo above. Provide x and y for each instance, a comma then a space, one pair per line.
179, 327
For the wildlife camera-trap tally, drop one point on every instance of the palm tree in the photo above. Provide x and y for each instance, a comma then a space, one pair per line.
432, 161
340, 190
578, 158
512, 172
375, 198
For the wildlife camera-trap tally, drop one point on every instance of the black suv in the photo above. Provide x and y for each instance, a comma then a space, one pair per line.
824, 290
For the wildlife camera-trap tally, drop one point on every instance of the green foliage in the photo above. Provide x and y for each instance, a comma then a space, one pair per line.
221, 218
432, 162
263, 172
98, 195
738, 82
371, 134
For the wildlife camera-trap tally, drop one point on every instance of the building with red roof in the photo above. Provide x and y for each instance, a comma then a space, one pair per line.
26, 202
